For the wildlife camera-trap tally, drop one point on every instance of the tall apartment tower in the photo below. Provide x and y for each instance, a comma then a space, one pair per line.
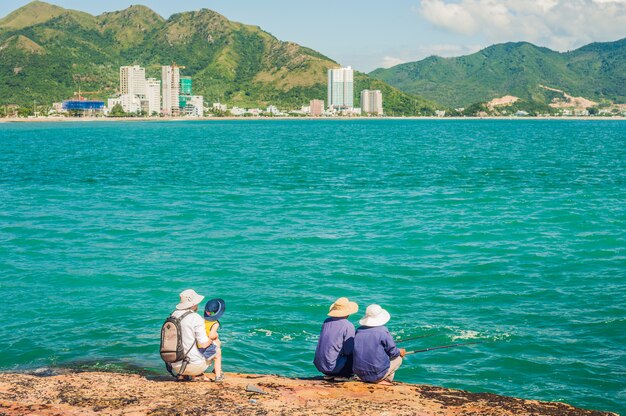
153, 95
372, 102
341, 88
133, 80
170, 84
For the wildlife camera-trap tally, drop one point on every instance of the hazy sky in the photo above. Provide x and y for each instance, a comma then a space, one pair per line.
368, 33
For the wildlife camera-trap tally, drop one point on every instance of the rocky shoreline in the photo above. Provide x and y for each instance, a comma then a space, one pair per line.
88, 393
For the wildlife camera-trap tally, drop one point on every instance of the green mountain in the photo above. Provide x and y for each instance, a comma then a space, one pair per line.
596, 71
48, 52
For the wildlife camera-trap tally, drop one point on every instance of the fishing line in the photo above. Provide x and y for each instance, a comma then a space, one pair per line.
443, 347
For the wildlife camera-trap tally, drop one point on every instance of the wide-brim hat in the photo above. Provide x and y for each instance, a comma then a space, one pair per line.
375, 316
214, 309
343, 307
188, 299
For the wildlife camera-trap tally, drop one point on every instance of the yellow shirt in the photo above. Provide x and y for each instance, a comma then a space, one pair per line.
208, 325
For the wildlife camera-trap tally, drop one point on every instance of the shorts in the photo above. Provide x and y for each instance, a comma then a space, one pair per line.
209, 352
192, 369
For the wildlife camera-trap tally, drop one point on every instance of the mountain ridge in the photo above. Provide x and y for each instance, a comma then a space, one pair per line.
596, 71
233, 62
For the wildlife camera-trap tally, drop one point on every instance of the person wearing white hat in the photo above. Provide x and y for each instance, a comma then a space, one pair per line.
193, 335
333, 356
376, 357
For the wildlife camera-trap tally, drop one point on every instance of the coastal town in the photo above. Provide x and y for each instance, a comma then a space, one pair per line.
173, 97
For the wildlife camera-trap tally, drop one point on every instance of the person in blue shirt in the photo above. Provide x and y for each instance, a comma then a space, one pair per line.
333, 356
376, 357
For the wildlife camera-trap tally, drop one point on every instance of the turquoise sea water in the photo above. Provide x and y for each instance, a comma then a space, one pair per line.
506, 231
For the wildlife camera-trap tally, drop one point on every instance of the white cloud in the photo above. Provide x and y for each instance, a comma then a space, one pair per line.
424, 51
389, 61
560, 24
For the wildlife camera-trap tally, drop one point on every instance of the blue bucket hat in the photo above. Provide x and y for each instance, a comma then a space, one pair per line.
214, 309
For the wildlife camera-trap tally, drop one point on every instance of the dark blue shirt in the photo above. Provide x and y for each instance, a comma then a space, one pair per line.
334, 346
374, 348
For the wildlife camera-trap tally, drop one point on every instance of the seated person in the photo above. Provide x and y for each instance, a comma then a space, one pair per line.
193, 337
376, 357
333, 356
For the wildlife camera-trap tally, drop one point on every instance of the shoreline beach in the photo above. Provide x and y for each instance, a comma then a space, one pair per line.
116, 394
196, 119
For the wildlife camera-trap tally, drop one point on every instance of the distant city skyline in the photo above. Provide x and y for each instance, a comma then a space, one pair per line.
406, 30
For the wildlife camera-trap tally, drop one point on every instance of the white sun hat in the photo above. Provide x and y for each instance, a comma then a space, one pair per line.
188, 299
375, 316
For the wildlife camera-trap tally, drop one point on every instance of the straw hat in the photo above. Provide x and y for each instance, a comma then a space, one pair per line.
375, 316
188, 299
343, 307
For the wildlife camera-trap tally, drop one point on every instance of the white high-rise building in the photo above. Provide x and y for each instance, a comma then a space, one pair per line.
153, 95
372, 102
170, 84
132, 87
341, 88
133, 80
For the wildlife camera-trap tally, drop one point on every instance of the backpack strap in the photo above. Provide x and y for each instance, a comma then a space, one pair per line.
186, 359
183, 316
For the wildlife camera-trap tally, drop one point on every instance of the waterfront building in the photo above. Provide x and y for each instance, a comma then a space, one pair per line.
190, 105
237, 111
341, 88
83, 107
153, 96
273, 110
170, 85
58, 108
185, 85
220, 107
132, 88
112, 102
133, 80
130, 103
372, 102
316, 108
194, 106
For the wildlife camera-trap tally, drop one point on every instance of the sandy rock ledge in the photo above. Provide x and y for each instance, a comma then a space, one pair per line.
127, 394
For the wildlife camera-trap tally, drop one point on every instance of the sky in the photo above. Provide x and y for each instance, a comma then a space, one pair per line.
368, 34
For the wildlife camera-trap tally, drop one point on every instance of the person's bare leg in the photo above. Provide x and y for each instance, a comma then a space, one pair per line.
218, 363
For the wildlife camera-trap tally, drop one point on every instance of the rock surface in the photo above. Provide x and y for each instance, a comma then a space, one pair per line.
127, 394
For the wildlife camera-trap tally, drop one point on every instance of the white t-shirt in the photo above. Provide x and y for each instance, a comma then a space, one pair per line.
193, 332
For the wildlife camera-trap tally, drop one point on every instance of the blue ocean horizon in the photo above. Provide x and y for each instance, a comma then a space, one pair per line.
509, 232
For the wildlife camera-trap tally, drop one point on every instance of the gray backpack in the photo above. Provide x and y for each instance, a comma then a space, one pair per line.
172, 342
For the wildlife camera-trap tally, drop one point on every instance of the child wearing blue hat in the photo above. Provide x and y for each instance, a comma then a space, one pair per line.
213, 311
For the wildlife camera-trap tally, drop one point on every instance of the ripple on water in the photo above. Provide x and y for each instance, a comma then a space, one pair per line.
507, 232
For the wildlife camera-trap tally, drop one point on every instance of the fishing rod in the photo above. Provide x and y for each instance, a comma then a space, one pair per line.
414, 338
442, 347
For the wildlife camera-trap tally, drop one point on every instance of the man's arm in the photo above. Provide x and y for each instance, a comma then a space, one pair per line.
390, 347
201, 339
